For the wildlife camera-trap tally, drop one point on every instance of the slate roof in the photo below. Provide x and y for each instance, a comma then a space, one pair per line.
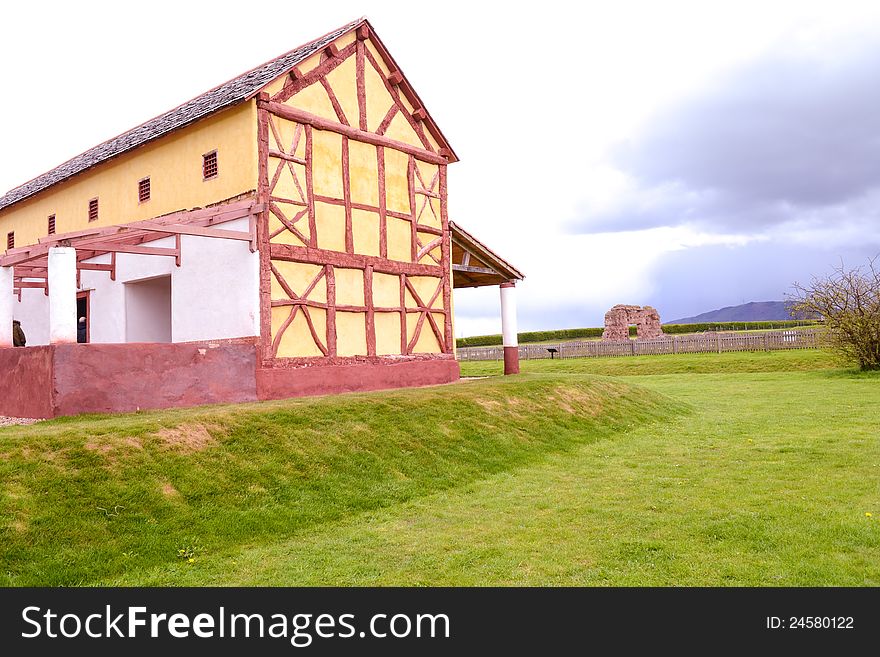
230, 93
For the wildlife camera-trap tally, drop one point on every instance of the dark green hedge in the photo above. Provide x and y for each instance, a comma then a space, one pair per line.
734, 326
574, 334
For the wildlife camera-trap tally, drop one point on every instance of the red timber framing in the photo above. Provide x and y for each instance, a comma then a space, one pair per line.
289, 228
30, 263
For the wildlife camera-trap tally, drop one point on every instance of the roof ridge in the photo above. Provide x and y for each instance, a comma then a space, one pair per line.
226, 94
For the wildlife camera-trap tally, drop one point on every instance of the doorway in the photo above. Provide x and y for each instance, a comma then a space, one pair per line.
148, 310
83, 333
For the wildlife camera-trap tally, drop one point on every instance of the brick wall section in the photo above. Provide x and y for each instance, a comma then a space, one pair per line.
26, 382
58, 380
106, 378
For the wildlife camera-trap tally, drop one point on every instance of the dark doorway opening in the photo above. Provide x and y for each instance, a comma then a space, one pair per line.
82, 313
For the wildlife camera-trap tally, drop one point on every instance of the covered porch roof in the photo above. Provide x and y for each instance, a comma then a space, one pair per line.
31, 262
475, 265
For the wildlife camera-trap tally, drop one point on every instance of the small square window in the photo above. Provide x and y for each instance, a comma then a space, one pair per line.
93, 210
51, 224
143, 190
10, 240
209, 165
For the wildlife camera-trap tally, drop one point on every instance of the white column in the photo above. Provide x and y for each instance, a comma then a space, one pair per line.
508, 328
6, 306
62, 295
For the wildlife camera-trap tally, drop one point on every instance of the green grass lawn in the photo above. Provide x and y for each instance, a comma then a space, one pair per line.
711, 363
710, 469
89, 499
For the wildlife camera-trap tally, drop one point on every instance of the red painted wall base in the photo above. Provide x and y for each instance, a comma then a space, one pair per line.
56, 380
511, 360
26, 382
280, 383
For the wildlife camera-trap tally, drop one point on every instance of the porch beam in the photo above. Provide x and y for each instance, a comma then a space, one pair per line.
94, 266
475, 270
197, 231
112, 247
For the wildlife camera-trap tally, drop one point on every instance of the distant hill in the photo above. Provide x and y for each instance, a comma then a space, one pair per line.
754, 311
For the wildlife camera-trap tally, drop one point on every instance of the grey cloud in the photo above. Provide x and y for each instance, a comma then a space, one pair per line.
693, 281
758, 147
688, 282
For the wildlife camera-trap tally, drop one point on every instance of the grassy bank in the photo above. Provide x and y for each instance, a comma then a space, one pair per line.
89, 499
767, 482
704, 469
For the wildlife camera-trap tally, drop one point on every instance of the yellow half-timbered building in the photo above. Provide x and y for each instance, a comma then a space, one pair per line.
293, 219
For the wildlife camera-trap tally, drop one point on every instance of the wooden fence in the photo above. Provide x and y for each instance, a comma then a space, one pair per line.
697, 343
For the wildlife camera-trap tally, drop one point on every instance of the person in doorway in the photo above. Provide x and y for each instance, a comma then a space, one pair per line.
81, 330
18, 337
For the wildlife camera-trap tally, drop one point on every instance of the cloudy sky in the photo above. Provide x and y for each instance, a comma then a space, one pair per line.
687, 155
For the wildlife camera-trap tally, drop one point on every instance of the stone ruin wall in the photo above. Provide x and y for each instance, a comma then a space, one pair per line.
619, 318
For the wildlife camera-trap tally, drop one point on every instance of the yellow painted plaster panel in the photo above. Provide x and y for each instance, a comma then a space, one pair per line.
327, 159
174, 165
343, 82
399, 235
311, 62
401, 130
298, 276
427, 174
433, 142
386, 292
351, 334
387, 333
291, 181
426, 286
434, 219
289, 133
349, 287
286, 236
276, 85
439, 318
396, 185
427, 342
426, 259
452, 317
314, 99
307, 65
363, 172
405, 103
365, 231
330, 226
428, 213
297, 340
378, 58
345, 40
379, 101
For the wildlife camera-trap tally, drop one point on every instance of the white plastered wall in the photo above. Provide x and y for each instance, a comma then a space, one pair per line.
148, 310
214, 293
33, 313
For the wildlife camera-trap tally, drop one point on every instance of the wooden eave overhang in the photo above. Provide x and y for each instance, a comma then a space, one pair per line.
475, 265
30, 263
